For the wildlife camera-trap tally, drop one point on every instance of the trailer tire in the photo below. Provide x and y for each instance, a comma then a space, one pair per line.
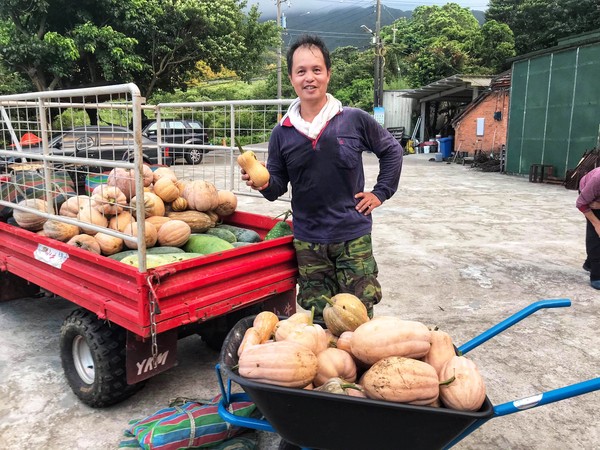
92, 352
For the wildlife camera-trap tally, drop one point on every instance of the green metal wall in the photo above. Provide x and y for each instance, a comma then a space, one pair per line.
554, 109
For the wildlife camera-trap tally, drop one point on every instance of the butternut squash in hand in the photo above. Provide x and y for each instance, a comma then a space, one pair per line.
259, 175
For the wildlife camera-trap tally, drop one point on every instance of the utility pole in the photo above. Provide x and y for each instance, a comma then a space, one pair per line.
279, 55
279, 60
378, 76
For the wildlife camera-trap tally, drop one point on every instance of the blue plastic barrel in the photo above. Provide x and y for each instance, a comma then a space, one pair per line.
446, 146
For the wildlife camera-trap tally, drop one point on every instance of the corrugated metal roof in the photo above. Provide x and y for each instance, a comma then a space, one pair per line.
457, 88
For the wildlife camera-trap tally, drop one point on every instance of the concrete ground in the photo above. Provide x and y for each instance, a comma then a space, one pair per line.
456, 247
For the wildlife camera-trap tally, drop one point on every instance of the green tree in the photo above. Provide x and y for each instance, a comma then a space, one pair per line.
440, 41
539, 24
61, 44
497, 46
12, 82
153, 43
352, 76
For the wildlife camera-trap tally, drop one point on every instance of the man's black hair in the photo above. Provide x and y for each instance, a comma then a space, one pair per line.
307, 40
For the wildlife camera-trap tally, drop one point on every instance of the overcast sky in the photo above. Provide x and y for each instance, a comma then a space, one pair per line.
269, 7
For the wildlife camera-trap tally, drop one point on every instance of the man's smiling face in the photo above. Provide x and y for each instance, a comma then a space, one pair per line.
310, 76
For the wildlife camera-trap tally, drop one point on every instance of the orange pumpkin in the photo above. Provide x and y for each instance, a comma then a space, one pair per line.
227, 203
344, 312
441, 351
286, 326
150, 235
28, 220
173, 233
333, 362
251, 337
71, 207
264, 323
179, 204
344, 341
153, 205
108, 200
402, 380
166, 189
91, 216
164, 172
124, 179
85, 242
157, 221
198, 221
466, 392
120, 221
312, 336
109, 245
283, 363
60, 231
201, 195
385, 336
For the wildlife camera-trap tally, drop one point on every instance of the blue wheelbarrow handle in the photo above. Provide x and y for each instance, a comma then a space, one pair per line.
509, 322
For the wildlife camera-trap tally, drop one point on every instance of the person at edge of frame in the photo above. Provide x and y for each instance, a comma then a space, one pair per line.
317, 147
588, 202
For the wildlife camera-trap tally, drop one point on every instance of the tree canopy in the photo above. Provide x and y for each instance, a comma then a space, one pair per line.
539, 24
440, 41
62, 44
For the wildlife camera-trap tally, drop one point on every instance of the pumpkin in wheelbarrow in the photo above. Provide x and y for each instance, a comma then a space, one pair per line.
402, 380
283, 363
467, 391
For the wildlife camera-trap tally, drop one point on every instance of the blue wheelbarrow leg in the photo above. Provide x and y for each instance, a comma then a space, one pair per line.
534, 401
227, 398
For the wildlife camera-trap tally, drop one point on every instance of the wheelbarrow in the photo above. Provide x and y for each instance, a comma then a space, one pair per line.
320, 420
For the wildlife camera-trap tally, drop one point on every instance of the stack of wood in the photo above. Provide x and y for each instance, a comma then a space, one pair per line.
589, 161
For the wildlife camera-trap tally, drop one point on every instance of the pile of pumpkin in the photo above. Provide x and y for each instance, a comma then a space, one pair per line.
174, 211
383, 358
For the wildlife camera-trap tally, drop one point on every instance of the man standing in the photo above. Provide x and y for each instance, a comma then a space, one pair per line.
317, 147
588, 203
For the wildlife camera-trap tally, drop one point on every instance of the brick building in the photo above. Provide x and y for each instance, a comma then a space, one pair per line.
483, 124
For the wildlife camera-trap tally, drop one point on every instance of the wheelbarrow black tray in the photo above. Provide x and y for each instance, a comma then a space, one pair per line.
321, 420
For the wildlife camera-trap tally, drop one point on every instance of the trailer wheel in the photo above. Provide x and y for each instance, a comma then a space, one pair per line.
92, 352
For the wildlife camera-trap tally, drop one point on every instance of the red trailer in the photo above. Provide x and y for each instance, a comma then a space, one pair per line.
127, 320
127, 323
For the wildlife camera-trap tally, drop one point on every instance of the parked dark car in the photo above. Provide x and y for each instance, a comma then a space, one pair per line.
112, 143
179, 131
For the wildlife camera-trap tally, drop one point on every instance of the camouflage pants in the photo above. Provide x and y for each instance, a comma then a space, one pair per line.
329, 269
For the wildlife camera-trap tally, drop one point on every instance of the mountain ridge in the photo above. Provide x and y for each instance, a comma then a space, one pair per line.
342, 26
